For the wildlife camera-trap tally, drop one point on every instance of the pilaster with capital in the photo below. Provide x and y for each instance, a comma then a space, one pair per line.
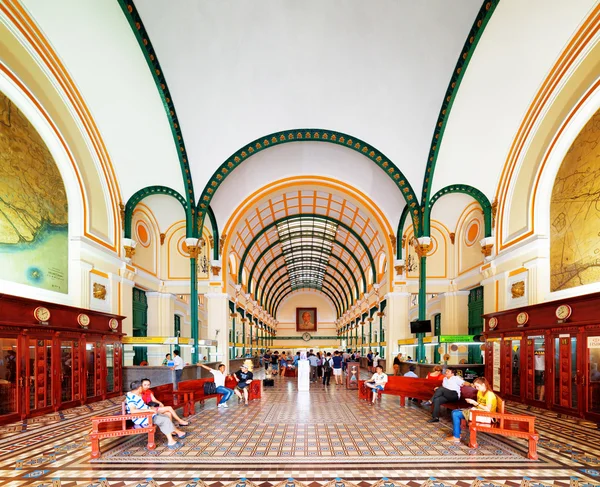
396, 324
455, 312
217, 315
126, 297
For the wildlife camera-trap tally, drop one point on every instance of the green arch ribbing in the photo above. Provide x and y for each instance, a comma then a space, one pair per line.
299, 216
481, 20
308, 135
215, 230
144, 193
399, 232
465, 189
143, 39
293, 261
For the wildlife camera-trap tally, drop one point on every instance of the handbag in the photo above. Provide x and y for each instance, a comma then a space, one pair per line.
210, 388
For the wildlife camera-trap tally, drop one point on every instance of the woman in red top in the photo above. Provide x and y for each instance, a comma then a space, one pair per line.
436, 374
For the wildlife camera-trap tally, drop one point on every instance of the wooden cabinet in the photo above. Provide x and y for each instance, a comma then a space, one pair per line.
58, 363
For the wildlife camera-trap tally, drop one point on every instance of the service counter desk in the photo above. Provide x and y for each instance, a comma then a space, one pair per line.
161, 374
381, 361
467, 371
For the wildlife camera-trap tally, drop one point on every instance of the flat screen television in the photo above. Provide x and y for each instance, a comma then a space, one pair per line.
423, 326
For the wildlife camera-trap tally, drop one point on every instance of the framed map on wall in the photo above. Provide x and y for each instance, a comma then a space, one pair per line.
306, 319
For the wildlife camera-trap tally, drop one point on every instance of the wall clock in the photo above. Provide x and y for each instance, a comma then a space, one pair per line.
83, 320
522, 318
306, 336
41, 314
493, 323
563, 312
113, 324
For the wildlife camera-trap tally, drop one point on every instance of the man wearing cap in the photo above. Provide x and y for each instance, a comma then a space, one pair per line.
243, 378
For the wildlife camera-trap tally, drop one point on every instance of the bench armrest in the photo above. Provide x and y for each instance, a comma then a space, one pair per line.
96, 420
501, 417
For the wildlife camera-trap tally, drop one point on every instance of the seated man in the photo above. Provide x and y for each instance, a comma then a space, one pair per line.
243, 378
449, 392
377, 382
219, 377
134, 403
411, 372
149, 398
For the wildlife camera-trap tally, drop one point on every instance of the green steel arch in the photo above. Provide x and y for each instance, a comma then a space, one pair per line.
215, 229
399, 232
308, 135
144, 193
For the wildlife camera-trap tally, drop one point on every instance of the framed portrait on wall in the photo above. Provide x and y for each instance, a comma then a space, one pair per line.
306, 319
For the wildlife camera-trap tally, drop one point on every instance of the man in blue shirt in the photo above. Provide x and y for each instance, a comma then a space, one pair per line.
337, 367
134, 404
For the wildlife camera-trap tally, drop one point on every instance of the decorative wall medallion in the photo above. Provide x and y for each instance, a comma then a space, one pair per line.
83, 320
113, 324
563, 312
99, 291
517, 290
41, 314
493, 322
522, 318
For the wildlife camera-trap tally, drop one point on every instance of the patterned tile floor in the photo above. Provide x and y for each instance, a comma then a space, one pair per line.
313, 437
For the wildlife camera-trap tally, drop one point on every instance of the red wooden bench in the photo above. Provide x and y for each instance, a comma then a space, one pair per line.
506, 424
195, 388
175, 399
120, 425
414, 388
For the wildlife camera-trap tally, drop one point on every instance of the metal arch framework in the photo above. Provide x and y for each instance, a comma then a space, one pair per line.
399, 232
477, 195
215, 229
300, 216
144, 193
293, 261
344, 299
285, 292
308, 135
263, 253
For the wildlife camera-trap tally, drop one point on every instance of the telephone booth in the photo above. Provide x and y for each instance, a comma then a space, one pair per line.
547, 355
53, 357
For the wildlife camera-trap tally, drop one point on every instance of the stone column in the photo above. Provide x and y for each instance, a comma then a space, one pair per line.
455, 313
396, 323
217, 311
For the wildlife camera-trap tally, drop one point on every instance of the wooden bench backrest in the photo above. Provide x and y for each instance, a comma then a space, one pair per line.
162, 391
194, 384
411, 385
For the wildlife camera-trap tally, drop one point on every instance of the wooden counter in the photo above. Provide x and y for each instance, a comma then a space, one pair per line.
423, 369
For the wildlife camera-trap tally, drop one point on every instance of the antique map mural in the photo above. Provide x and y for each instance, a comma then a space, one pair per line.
33, 206
575, 213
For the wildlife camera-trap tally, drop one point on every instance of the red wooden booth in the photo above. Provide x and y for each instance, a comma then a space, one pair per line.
547, 355
54, 357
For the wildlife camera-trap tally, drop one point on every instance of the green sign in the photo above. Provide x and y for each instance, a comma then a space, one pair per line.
456, 338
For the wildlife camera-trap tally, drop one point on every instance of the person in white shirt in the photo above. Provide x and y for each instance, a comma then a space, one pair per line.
177, 366
449, 392
377, 382
219, 378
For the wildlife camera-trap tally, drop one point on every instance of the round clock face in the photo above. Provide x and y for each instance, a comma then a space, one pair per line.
41, 314
83, 320
563, 311
493, 323
113, 324
522, 318
306, 337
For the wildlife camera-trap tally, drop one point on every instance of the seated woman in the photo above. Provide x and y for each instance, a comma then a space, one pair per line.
486, 401
436, 374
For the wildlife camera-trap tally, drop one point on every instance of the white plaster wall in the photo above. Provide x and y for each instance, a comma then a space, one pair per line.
517, 50
98, 48
246, 69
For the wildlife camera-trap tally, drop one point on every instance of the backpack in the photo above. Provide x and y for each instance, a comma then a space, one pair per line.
210, 388
327, 365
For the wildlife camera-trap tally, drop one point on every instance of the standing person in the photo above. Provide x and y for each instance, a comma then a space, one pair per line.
274, 362
486, 401
312, 360
327, 368
149, 398
267, 360
337, 367
219, 378
397, 362
377, 382
243, 378
168, 361
177, 366
370, 361
319, 365
134, 403
375, 360
296, 359
345, 358
449, 392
